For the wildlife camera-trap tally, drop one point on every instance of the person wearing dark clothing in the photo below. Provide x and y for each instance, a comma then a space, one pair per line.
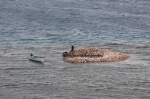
31, 54
72, 48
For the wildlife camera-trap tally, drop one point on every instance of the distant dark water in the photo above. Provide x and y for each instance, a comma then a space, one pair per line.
49, 27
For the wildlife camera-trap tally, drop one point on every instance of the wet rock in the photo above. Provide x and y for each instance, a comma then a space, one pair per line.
90, 55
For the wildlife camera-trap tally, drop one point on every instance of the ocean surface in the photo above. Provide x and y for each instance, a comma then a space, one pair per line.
49, 27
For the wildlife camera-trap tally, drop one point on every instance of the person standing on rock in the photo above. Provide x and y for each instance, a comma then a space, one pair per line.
72, 48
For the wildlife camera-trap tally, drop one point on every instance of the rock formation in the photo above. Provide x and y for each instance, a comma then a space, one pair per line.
91, 55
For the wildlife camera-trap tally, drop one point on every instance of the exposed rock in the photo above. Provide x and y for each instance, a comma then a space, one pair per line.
89, 55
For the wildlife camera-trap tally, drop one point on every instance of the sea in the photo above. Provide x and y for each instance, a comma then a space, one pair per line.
49, 27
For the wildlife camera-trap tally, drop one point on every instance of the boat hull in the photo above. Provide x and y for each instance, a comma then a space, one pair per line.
36, 58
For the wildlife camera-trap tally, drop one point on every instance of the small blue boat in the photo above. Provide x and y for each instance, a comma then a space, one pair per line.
36, 58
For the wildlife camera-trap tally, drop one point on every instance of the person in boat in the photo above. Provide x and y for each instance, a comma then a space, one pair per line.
72, 48
31, 54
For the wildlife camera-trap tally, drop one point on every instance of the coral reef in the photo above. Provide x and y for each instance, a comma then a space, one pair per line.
91, 55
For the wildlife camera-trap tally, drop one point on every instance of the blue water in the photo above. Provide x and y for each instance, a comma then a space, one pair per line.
50, 27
